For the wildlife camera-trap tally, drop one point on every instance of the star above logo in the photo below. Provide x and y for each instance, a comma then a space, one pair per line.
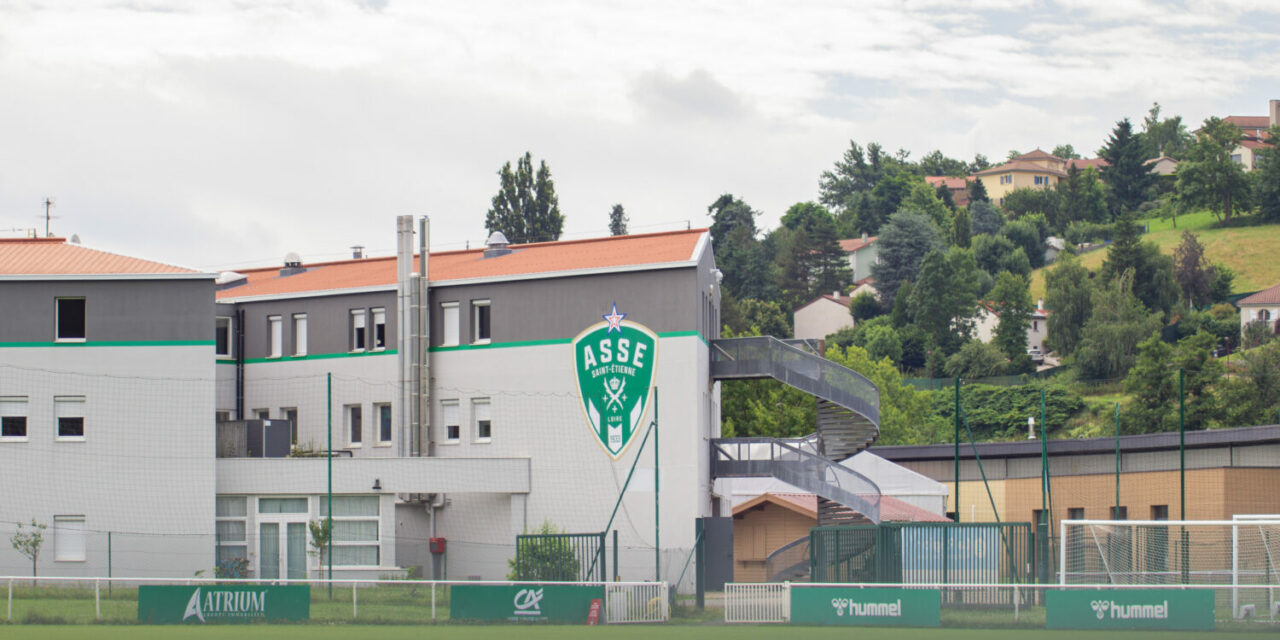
614, 319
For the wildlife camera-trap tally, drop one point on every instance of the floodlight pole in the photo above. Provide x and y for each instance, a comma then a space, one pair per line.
657, 548
328, 384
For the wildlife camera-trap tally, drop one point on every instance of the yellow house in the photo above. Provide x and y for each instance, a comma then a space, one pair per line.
1035, 170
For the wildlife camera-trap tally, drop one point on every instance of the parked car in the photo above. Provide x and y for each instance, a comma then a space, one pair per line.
1036, 356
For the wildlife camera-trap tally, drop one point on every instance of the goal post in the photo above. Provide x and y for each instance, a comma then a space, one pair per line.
1238, 555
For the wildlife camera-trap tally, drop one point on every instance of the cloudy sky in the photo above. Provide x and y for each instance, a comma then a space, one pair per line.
224, 133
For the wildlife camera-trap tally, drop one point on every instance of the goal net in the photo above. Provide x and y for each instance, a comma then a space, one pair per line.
1241, 554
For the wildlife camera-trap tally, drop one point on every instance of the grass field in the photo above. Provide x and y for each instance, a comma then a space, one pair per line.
667, 632
1249, 251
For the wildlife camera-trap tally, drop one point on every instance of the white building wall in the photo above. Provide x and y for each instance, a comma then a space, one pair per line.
144, 470
821, 318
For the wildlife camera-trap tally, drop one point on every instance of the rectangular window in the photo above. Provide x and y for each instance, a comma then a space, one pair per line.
299, 334
1075, 513
1160, 512
379, 329
275, 335
355, 429
449, 417
356, 534
449, 316
13, 418
357, 329
480, 413
480, 322
222, 337
68, 539
383, 411
1119, 513
69, 413
221, 415
282, 505
291, 414
70, 319
261, 414
232, 547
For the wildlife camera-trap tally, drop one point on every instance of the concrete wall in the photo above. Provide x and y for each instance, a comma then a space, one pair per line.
115, 310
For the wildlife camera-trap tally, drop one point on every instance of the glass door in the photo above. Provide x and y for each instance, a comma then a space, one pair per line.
296, 551
269, 551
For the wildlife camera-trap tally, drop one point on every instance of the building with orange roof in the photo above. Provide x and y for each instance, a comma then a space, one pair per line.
106, 409
1254, 135
958, 186
1035, 170
473, 404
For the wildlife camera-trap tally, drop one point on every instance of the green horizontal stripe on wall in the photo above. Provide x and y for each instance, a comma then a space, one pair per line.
553, 341
112, 343
315, 356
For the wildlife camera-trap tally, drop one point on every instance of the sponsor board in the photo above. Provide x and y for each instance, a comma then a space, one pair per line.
213, 603
1130, 609
523, 603
614, 365
881, 607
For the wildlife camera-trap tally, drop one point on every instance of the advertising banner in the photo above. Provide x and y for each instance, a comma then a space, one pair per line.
570, 604
1130, 609
851, 606
212, 603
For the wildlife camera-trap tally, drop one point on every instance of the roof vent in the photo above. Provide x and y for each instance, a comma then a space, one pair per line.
357, 252
496, 245
229, 279
292, 264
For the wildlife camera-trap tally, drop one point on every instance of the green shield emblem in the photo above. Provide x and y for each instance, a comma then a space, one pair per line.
614, 363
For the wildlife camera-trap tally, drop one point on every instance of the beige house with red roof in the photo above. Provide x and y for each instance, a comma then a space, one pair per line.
1035, 170
1254, 135
1263, 306
106, 410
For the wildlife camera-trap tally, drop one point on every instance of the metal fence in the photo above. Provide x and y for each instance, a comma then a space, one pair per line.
759, 602
561, 557
88, 600
922, 553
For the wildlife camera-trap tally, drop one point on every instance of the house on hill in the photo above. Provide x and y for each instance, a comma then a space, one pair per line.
958, 186
988, 319
1253, 132
1035, 170
1263, 306
863, 253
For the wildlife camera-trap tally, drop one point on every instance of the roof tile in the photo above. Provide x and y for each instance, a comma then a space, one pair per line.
56, 256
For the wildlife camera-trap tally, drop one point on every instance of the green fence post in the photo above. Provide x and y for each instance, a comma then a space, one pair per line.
957, 452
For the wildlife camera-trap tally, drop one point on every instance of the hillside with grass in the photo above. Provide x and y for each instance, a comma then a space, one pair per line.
1249, 251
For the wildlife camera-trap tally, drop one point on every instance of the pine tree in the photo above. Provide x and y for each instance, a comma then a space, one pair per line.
1127, 173
961, 228
977, 191
1011, 302
526, 208
618, 221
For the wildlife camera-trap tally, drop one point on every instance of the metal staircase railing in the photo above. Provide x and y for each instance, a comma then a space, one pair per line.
848, 403
788, 563
790, 462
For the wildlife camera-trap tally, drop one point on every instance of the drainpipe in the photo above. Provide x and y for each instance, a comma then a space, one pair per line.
404, 328
423, 344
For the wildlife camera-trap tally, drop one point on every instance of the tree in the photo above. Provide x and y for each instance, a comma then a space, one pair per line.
1164, 137
998, 253
1119, 322
903, 243
1153, 281
27, 541
864, 306
986, 218
943, 192
526, 208
922, 199
976, 360
1026, 201
935, 163
1191, 271
961, 228
1252, 396
545, 558
1153, 383
944, 299
1066, 152
618, 221
980, 163
1082, 197
1068, 294
748, 270
905, 413
883, 342
765, 318
1208, 177
1011, 301
1266, 189
1127, 173
1026, 235
978, 191
321, 537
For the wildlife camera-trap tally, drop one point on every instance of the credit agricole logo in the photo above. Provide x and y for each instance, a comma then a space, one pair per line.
614, 362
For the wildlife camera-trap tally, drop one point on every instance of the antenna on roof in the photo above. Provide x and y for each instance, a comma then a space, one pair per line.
48, 203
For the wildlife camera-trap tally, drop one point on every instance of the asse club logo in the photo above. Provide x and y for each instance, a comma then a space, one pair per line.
614, 362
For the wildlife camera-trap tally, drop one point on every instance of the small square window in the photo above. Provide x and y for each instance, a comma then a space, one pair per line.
222, 337
68, 539
449, 313
261, 414
71, 319
483, 424
275, 333
68, 411
383, 411
357, 325
480, 322
221, 415
13, 418
379, 329
449, 417
1119, 513
355, 426
299, 334
1160, 512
